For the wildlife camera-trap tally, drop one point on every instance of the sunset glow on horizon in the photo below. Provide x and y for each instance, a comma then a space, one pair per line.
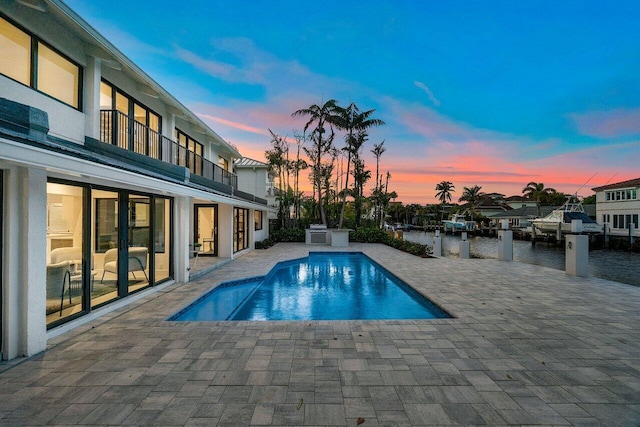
495, 94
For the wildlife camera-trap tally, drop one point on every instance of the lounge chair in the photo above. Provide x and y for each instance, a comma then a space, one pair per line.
59, 281
137, 261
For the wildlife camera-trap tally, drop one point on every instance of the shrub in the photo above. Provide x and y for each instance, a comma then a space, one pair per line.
369, 235
375, 235
288, 235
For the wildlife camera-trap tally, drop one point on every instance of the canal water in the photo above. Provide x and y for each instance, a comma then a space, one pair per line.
619, 266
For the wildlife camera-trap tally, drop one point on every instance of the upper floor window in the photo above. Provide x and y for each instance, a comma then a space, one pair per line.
31, 62
621, 195
111, 98
191, 153
223, 163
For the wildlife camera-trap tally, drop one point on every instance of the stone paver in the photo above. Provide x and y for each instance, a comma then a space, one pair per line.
527, 345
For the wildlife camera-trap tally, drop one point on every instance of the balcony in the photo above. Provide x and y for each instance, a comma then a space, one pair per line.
122, 131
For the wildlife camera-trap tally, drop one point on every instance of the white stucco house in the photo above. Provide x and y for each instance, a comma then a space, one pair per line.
107, 181
618, 205
256, 177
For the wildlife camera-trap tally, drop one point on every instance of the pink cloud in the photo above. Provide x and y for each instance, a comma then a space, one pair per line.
233, 124
608, 124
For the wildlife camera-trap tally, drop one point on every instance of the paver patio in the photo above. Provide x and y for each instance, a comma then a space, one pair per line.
528, 345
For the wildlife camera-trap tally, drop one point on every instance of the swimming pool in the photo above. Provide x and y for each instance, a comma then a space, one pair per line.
323, 286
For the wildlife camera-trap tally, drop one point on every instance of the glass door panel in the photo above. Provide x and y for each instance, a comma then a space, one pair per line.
104, 247
162, 222
139, 242
206, 231
64, 276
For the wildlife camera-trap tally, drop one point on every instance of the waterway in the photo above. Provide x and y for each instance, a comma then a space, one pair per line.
619, 266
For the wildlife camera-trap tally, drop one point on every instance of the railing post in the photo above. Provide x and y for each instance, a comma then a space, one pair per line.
115, 135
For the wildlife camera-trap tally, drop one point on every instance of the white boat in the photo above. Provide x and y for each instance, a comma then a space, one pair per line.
458, 223
572, 209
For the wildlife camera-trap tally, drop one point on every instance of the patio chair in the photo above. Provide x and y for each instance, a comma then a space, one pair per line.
137, 261
59, 281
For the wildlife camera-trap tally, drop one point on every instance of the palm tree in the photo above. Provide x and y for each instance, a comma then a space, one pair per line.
378, 150
321, 116
356, 123
473, 195
537, 191
444, 188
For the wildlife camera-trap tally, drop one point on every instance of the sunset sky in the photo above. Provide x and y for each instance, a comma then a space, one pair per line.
489, 93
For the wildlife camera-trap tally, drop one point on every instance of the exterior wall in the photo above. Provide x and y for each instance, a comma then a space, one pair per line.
617, 207
253, 181
225, 231
64, 121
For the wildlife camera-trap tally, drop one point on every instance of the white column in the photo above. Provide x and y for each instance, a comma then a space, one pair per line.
577, 255
437, 244
225, 231
505, 245
93, 75
24, 320
465, 249
182, 226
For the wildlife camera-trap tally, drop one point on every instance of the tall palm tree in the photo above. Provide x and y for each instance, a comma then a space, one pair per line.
444, 190
356, 123
320, 116
378, 150
473, 195
537, 191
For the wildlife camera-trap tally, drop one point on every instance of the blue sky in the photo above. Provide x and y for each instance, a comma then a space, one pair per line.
489, 93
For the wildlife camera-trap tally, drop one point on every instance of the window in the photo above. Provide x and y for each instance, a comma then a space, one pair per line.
44, 69
240, 231
223, 163
257, 218
190, 152
15, 46
58, 76
621, 195
135, 127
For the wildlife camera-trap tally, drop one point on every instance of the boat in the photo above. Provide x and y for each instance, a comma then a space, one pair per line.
458, 223
572, 209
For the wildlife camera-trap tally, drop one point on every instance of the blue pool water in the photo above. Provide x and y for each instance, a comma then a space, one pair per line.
324, 286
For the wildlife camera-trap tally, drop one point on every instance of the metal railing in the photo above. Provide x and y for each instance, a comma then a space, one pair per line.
118, 129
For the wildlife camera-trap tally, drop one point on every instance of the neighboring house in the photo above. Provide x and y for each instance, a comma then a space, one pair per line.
618, 205
487, 207
256, 177
515, 202
107, 182
520, 217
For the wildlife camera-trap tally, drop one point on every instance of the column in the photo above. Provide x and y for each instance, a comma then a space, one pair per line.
464, 247
437, 244
25, 295
92, 78
181, 226
505, 242
577, 255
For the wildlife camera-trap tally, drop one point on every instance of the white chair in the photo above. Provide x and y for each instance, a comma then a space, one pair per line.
137, 261
58, 281
66, 254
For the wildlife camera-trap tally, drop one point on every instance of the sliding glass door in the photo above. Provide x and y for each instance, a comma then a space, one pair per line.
102, 244
206, 229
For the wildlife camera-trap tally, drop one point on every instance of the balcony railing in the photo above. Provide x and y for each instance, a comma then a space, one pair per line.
118, 129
